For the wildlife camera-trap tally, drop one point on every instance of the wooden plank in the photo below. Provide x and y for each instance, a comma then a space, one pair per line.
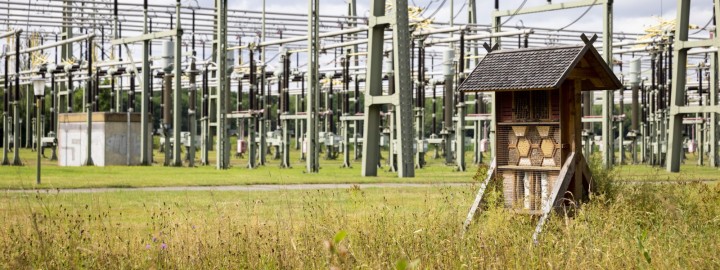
587, 174
528, 168
479, 196
555, 198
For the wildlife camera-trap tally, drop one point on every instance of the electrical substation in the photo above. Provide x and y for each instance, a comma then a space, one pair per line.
102, 83
117, 83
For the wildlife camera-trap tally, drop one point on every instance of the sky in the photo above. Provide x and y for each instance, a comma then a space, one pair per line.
630, 15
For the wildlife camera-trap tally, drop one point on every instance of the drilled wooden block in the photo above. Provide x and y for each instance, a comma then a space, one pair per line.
548, 147
519, 130
509, 188
525, 162
548, 162
536, 157
544, 131
533, 135
523, 147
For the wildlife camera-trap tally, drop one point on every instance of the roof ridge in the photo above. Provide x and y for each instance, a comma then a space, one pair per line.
568, 46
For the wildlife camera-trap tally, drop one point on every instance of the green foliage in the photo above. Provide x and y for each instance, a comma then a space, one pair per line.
403, 264
603, 179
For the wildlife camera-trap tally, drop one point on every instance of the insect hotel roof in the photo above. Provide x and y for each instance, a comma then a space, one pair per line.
544, 68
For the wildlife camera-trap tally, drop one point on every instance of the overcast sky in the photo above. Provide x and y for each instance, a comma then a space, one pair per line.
630, 15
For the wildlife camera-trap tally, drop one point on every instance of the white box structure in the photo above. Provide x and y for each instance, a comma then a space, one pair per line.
114, 139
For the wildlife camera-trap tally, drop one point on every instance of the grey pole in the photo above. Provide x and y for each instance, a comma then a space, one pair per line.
223, 142
311, 137
345, 61
191, 111
252, 147
460, 127
205, 119
145, 138
88, 105
16, 108
607, 108
284, 109
264, 98
419, 107
177, 89
38, 130
192, 99
449, 72
5, 119
713, 158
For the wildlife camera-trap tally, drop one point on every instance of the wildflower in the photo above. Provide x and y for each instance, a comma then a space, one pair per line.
147, 246
163, 246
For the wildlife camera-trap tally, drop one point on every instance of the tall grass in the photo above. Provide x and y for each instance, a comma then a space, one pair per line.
644, 226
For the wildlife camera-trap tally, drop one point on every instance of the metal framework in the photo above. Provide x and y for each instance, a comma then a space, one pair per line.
678, 95
337, 82
401, 99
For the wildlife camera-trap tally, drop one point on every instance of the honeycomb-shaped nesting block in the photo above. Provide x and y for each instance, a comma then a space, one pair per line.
544, 131
519, 130
523, 147
533, 136
547, 146
536, 157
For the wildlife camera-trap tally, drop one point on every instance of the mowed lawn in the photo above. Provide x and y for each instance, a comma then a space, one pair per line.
436, 171
54, 176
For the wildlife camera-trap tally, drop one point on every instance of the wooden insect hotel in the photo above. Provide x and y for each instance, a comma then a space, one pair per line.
537, 117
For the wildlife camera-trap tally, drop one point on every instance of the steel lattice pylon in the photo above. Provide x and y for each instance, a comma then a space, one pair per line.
401, 99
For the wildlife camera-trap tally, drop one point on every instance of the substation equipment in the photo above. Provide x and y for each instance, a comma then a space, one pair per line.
381, 89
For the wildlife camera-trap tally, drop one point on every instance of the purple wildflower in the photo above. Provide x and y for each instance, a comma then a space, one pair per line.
147, 246
163, 246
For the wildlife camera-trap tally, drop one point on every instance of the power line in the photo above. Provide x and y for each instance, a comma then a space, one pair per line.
460, 10
514, 13
581, 16
704, 27
438, 9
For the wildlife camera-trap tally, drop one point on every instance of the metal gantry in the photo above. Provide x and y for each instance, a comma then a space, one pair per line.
331, 111
678, 95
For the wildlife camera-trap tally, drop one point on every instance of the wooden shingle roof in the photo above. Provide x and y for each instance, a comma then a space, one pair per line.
540, 69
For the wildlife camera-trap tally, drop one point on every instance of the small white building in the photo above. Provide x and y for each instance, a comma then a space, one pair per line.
114, 139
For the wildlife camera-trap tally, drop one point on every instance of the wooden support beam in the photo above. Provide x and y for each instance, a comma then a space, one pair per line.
556, 197
478, 198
